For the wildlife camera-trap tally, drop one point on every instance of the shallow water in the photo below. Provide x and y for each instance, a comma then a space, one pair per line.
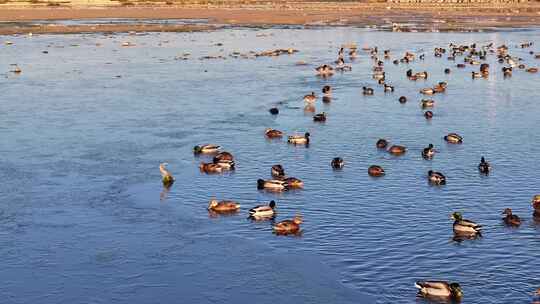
84, 218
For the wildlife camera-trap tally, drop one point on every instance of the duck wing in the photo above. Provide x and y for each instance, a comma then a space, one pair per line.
432, 284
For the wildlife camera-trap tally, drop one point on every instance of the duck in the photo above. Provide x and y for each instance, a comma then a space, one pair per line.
225, 164
263, 211
277, 171
427, 103
440, 87
484, 166
447, 71
428, 152
17, 70
294, 183
537, 293
388, 88
272, 184
223, 206
436, 178
375, 171
428, 115
223, 156
402, 99
353, 54
507, 71
273, 133
321, 117
288, 226
453, 138
439, 289
536, 205
397, 150
274, 111
325, 70
532, 70
427, 91
476, 75
166, 176
464, 227
367, 91
310, 98
337, 163
206, 149
382, 143
511, 219
327, 90
210, 168
299, 139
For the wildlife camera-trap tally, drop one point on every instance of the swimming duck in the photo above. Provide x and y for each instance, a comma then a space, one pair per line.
460, 66
353, 54
225, 164
447, 71
210, 168
397, 150
532, 70
427, 91
310, 98
337, 163
436, 178
439, 289
166, 176
206, 149
428, 115
484, 68
299, 139
294, 183
507, 71
277, 171
464, 227
440, 87
273, 133
327, 90
274, 111
272, 184
388, 88
375, 171
476, 75
223, 156
484, 166
223, 206
428, 152
511, 219
263, 211
17, 70
382, 143
321, 117
453, 138
402, 99
288, 226
427, 103
325, 70
367, 91
536, 205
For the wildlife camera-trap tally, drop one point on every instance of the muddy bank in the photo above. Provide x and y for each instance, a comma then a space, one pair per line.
428, 17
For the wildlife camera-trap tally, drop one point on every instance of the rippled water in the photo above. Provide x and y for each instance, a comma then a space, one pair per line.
84, 218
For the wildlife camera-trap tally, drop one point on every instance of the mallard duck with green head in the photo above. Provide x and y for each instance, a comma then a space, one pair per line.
465, 227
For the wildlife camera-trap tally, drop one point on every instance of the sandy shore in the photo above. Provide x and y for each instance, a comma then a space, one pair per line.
429, 16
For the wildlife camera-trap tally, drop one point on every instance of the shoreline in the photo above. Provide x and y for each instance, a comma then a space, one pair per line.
429, 17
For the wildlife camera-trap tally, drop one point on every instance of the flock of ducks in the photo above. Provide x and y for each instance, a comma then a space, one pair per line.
279, 181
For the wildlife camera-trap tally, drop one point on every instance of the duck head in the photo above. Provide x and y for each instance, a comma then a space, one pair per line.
272, 204
307, 135
456, 291
430, 172
507, 211
197, 149
482, 160
430, 146
456, 216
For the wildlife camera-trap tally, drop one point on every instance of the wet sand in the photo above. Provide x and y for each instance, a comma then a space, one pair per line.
427, 16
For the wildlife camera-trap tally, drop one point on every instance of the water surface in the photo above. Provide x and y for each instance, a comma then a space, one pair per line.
84, 218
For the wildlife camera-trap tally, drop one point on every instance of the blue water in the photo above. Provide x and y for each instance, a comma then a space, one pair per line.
84, 217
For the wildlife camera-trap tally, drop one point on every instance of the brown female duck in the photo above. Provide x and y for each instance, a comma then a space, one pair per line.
288, 226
